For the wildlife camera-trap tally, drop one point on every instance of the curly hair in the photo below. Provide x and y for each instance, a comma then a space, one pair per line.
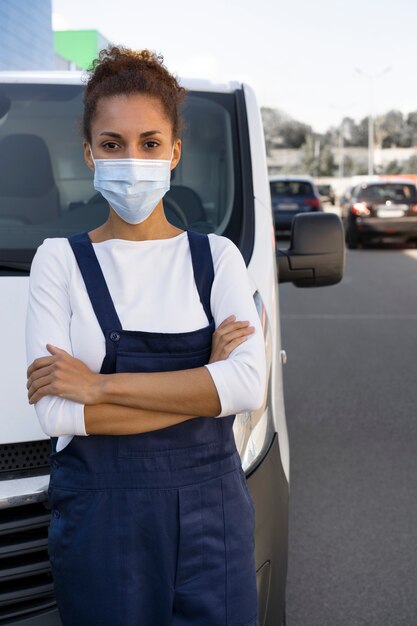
122, 71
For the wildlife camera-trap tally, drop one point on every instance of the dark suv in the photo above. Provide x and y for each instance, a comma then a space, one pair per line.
380, 209
290, 196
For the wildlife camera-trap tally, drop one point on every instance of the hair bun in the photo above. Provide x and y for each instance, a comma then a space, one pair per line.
122, 71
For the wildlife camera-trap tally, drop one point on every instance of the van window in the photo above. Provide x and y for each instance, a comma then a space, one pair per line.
290, 188
394, 192
46, 189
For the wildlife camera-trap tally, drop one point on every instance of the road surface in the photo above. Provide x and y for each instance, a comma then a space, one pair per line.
351, 403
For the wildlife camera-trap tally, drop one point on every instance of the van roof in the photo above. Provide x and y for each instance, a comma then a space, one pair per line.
275, 179
75, 78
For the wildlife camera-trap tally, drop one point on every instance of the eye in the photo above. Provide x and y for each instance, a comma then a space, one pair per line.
110, 145
151, 144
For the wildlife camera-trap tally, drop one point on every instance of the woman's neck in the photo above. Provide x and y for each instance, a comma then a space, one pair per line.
155, 227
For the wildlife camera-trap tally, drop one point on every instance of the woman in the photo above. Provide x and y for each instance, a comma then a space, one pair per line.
138, 369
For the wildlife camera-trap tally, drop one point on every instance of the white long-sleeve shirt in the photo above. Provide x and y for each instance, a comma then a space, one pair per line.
153, 289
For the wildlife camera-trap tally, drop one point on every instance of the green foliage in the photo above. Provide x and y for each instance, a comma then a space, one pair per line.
316, 158
393, 167
348, 166
281, 130
393, 129
408, 167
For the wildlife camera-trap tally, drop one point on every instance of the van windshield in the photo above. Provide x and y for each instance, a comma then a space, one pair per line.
46, 189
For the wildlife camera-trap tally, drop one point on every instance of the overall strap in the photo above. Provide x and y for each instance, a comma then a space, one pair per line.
203, 268
95, 283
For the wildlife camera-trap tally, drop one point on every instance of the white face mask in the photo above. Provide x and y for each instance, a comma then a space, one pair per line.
132, 187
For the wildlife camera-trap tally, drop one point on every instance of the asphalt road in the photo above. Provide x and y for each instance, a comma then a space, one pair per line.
351, 403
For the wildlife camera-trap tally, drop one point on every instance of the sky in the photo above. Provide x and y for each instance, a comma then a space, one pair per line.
299, 56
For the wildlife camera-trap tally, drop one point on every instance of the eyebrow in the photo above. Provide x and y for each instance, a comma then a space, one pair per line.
147, 133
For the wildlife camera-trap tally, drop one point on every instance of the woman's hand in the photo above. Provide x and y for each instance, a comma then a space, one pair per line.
61, 375
228, 336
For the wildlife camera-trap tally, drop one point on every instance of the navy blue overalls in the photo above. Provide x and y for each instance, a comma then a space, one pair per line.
153, 529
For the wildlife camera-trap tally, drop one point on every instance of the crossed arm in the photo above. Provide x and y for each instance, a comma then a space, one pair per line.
121, 404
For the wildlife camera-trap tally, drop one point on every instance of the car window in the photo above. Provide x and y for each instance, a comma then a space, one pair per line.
393, 191
291, 188
46, 189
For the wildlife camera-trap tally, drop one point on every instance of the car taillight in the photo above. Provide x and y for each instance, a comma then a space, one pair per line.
360, 208
414, 208
314, 202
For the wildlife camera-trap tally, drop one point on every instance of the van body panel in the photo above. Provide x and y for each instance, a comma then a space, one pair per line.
257, 142
271, 546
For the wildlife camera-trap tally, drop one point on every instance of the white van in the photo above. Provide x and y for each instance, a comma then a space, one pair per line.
221, 185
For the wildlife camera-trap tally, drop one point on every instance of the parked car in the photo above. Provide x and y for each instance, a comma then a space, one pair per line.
291, 195
221, 185
327, 194
379, 209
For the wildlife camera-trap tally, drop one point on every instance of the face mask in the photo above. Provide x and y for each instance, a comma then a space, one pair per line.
132, 187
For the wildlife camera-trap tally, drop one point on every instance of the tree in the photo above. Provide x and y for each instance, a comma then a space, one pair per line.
392, 130
271, 120
317, 158
349, 129
309, 156
349, 166
327, 165
410, 166
412, 125
360, 133
294, 133
393, 167
281, 130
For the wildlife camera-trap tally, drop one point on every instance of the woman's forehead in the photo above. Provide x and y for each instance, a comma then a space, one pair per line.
134, 110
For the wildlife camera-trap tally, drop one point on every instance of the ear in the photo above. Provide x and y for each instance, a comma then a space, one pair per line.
177, 154
87, 156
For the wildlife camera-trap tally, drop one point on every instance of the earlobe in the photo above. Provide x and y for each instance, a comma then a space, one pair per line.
176, 154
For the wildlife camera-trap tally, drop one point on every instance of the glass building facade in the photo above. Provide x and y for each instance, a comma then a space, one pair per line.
27, 41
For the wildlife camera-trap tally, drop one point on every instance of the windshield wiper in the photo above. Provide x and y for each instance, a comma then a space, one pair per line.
20, 266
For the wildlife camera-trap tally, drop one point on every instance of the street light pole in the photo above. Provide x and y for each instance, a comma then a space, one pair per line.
341, 150
371, 142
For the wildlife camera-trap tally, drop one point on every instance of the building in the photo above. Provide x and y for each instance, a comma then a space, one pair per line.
29, 43
79, 47
26, 36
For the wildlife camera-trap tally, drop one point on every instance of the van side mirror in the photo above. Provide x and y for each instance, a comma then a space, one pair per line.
316, 256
